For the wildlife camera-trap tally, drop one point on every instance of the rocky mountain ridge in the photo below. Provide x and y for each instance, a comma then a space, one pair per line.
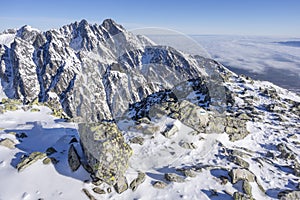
123, 89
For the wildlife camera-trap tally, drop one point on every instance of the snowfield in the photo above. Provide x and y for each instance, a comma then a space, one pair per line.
157, 156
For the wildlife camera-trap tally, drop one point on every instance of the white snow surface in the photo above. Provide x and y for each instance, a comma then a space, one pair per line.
7, 39
157, 156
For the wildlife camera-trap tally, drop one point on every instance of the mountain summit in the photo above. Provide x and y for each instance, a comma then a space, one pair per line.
157, 111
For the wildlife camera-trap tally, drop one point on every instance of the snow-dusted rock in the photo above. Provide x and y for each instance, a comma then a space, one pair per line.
105, 150
8, 143
241, 174
27, 161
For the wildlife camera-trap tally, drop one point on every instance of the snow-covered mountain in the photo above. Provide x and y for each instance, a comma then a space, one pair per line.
91, 63
179, 122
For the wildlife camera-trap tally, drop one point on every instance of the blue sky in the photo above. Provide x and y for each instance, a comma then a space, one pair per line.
239, 17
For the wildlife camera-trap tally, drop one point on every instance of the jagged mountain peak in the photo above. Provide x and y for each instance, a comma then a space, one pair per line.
112, 27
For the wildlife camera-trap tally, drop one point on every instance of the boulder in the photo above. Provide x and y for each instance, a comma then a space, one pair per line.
236, 128
98, 190
189, 173
241, 174
137, 140
174, 177
137, 181
170, 131
187, 145
121, 185
159, 184
105, 150
238, 161
193, 115
286, 152
88, 194
73, 158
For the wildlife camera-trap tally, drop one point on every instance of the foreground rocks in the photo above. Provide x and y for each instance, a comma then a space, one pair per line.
289, 195
241, 174
27, 161
137, 181
106, 151
73, 158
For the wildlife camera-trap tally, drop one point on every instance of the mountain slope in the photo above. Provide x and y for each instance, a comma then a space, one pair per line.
196, 129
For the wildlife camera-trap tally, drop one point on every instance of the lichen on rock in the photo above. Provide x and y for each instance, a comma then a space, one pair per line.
105, 150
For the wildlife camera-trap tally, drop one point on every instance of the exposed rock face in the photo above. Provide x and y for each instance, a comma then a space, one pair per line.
105, 150
100, 74
95, 72
56, 64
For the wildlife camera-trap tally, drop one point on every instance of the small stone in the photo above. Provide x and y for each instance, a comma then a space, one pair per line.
99, 190
173, 178
139, 180
238, 161
8, 143
190, 173
241, 196
170, 131
121, 185
269, 154
137, 140
188, 145
21, 135
35, 110
144, 120
47, 161
88, 194
109, 190
224, 180
159, 185
97, 182
50, 151
73, 158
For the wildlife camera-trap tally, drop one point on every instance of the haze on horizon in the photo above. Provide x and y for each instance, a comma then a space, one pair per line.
232, 17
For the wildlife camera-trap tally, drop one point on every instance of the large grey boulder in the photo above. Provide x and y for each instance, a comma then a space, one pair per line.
105, 150
193, 115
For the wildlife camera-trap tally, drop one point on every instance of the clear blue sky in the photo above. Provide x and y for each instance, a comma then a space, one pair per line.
243, 17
